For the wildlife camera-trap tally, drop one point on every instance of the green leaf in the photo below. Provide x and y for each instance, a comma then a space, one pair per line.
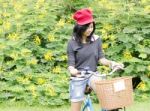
129, 30
140, 68
64, 95
142, 55
123, 37
138, 37
129, 69
146, 31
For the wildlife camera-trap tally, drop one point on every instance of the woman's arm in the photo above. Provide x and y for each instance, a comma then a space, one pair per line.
111, 64
105, 62
71, 60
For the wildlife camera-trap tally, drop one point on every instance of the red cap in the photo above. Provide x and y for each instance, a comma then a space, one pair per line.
83, 16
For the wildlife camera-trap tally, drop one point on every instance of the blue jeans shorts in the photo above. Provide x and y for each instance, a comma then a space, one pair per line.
77, 88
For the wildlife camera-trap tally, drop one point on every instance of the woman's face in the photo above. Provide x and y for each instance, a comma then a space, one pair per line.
88, 30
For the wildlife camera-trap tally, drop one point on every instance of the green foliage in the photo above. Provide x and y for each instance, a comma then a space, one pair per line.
34, 35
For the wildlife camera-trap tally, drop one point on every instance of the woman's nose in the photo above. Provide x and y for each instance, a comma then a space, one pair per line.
90, 30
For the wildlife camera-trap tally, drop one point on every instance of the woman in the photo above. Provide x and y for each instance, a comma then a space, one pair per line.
84, 51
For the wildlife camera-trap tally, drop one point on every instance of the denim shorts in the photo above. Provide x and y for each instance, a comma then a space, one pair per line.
77, 88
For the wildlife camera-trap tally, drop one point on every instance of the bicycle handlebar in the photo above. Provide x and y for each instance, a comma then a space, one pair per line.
84, 74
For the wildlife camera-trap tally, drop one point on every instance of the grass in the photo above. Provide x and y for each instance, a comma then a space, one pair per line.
19, 106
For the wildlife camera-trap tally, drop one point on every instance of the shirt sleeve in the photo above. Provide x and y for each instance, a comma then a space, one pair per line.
100, 50
70, 54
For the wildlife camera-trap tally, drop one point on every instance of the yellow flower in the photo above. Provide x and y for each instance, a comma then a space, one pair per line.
147, 9
110, 5
104, 69
57, 69
103, 1
50, 90
18, 16
32, 88
13, 36
1, 30
142, 86
33, 61
37, 40
61, 23
107, 27
68, 21
34, 94
64, 57
51, 37
17, 6
41, 1
105, 45
5, 14
39, 4
105, 37
144, 1
48, 56
103, 31
25, 52
41, 16
23, 80
29, 76
6, 25
5, 5
148, 67
112, 37
127, 54
14, 55
40, 81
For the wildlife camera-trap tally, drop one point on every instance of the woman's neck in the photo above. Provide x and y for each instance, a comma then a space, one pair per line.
84, 39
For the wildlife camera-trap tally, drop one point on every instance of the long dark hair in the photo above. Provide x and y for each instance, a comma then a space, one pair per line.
79, 30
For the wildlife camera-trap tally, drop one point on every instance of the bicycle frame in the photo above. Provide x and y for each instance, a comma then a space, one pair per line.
88, 104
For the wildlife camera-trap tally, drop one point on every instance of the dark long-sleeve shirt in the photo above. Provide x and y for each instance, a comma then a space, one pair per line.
86, 55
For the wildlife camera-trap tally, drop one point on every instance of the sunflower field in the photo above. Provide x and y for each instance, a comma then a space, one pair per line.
33, 41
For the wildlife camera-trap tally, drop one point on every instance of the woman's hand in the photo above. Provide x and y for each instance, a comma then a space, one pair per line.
111, 64
115, 65
73, 71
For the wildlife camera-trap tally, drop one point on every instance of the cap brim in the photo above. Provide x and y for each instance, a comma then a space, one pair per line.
86, 22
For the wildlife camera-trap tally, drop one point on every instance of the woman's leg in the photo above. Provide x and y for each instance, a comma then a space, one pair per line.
77, 89
76, 106
92, 82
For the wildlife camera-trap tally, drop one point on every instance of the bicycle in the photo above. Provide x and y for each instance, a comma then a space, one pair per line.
88, 102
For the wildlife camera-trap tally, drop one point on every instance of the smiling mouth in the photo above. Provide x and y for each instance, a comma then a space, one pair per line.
89, 33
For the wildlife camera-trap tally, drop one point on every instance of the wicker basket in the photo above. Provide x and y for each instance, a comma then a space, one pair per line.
115, 93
